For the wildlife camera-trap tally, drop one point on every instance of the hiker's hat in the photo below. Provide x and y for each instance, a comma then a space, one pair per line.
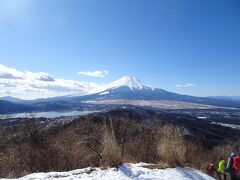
232, 154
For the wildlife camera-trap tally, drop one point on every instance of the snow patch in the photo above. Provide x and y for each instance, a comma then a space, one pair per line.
202, 117
233, 126
124, 172
103, 93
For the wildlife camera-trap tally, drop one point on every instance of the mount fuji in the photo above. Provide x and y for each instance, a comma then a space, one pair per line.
130, 88
127, 90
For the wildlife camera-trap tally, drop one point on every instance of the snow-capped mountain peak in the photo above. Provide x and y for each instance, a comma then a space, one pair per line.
126, 81
130, 81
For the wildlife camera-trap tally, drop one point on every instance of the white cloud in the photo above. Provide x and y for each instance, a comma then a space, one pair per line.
31, 85
11, 73
187, 85
94, 73
41, 76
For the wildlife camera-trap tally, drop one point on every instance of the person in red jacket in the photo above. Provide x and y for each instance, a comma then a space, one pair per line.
210, 169
230, 166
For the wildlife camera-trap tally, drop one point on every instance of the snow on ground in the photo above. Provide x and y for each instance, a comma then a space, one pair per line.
124, 172
234, 126
202, 117
103, 93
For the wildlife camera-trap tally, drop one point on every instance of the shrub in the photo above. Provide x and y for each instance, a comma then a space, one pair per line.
171, 147
110, 149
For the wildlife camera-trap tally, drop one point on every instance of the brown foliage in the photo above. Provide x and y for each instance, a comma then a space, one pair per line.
171, 147
110, 148
106, 141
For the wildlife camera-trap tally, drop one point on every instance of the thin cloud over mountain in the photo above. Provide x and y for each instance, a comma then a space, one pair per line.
187, 85
100, 74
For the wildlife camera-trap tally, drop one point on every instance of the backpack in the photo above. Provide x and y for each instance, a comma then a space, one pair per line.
236, 163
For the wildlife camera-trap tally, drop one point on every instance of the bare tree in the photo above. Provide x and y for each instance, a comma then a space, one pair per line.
123, 134
32, 130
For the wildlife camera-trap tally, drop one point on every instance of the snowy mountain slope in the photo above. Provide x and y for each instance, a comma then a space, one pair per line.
130, 82
124, 172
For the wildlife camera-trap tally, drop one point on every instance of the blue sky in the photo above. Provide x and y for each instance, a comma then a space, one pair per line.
185, 46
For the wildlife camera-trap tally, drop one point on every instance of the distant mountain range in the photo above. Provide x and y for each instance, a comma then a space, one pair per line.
11, 107
125, 88
232, 98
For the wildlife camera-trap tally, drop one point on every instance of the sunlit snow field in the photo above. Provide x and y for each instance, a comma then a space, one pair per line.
124, 172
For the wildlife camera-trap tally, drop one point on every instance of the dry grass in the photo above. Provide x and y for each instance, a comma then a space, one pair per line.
171, 147
110, 148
